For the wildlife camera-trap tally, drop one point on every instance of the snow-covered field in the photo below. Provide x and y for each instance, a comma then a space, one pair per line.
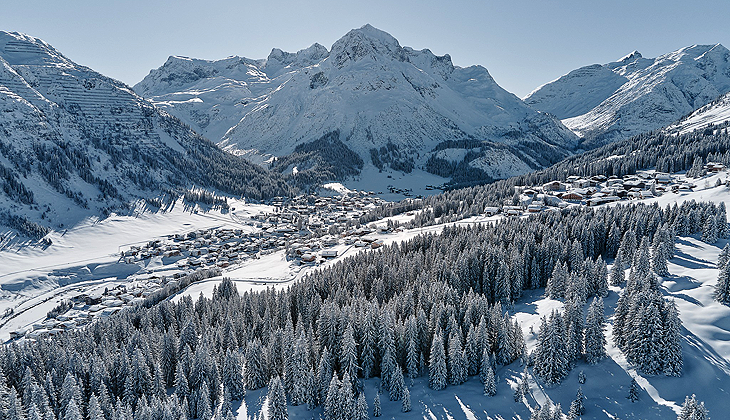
87, 257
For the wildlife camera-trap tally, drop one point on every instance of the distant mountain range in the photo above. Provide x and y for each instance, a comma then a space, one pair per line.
395, 108
604, 103
74, 143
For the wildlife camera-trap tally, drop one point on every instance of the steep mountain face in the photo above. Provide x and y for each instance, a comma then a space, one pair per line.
74, 143
393, 106
604, 103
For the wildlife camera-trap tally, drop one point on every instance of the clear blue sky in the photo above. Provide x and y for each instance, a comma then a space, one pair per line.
522, 43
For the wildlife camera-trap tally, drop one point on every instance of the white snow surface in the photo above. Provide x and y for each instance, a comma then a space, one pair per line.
367, 86
609, 102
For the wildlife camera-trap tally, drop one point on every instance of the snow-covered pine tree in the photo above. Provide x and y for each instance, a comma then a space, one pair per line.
406, 403
660, 254
233, 375
332, 400
490, 384
348, 352
437, 374
255, 370
72, 410
277, 400
361, 408
574, 330
556, 283
633, 391
551, 361
693, 410
709, 230
672, 346
377, 411
722, 287
457, 363
346, 407
724, 256
595, 340
627, 249
397, 384
95, 412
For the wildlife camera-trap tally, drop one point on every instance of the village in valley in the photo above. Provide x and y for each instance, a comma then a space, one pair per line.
309, 229
598, 190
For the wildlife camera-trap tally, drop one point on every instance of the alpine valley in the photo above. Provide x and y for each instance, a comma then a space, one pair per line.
363, 231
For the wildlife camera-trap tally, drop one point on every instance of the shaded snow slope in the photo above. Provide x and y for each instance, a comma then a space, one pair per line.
604, 103
368, 87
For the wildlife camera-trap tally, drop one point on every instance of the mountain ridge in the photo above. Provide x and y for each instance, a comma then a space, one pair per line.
75, 143
375, 93
604, 103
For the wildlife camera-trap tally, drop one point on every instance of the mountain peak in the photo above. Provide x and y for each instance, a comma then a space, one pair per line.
366, 41
631, 57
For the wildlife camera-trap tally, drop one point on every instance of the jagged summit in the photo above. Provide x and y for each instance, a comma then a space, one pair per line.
604, 103
630, 57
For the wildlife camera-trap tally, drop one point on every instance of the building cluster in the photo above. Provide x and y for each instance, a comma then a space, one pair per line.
597, 190
308, 227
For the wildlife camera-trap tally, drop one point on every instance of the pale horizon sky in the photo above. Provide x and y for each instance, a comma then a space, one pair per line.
523, 44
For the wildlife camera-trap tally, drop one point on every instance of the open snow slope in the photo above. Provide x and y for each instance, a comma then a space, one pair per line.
369, 88
604, 103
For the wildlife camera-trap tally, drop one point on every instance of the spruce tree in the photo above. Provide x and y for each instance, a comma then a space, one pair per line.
693, 410
406, 405
724, 256
551, 361
490, 385
595, 340
722, 287
376, 405
277, 400
457, 363
361, 408
437, 364
617, 272
633, 391
709, 230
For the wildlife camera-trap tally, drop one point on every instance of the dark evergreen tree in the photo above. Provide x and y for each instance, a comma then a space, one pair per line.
595, 340
437, 364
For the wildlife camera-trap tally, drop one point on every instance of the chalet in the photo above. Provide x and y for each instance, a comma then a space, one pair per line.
662, 178
553, 186
309, 257
595, 201
376, 244
634, 183
329, 253
582, 183
598, 178
512, 210
529, 192
491, 211
612, 182
535, 208
714, 167
572, 196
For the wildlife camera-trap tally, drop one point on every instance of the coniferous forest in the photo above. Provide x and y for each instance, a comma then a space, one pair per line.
435, 306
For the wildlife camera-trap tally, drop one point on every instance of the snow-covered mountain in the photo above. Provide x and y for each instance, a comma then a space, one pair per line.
716, 113
604, 103
74, 143
394, 106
